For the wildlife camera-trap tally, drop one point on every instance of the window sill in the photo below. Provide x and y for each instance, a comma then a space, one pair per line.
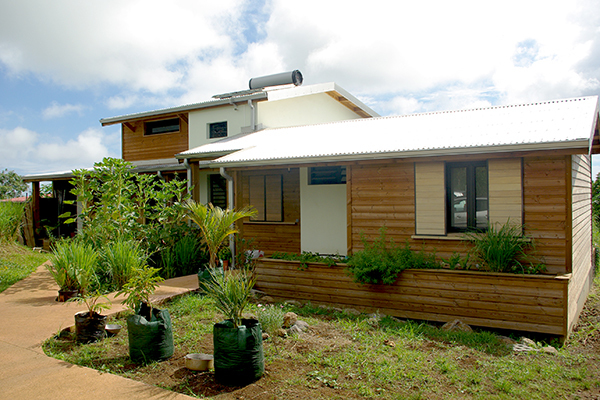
269, 223
450, 236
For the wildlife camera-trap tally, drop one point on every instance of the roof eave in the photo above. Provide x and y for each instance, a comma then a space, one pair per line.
581, 144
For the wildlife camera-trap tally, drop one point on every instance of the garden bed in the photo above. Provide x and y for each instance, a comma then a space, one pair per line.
533, 303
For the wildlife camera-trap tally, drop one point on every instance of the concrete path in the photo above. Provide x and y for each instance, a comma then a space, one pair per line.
29, 315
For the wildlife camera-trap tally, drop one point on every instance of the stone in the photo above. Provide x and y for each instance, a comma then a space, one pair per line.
389, 343
281, 332
289, 319
265, 336
522, 347
527, 342
267, 299
351, 311
294, 303
298, 328
549, 350
456, 325
506, 340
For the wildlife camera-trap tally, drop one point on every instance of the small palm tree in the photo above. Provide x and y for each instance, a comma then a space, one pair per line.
216, 224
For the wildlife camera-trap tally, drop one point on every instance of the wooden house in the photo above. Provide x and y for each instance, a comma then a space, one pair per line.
428, 178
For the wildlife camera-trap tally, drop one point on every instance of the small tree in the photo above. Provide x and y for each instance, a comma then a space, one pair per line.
11, 184
596, 199
216, 225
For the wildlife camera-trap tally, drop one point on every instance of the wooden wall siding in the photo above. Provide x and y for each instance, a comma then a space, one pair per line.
505, 190
430, 198
515, 302
545, 209
382, 194
138, 147
271, 237
582, 265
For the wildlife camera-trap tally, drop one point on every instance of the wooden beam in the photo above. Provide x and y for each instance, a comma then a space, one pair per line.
130, 126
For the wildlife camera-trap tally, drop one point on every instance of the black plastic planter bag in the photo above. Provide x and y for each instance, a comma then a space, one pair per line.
89, 329
150, 340
238, 357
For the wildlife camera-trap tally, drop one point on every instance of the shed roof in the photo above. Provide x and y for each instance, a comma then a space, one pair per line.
558, 124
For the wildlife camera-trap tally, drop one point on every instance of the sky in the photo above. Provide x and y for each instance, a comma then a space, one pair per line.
65, 64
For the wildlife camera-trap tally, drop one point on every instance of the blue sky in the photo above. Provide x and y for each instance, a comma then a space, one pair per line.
64, 64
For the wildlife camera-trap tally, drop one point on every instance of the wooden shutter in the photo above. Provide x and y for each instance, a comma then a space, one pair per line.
505, 191
257, 196
273, 198
430, 199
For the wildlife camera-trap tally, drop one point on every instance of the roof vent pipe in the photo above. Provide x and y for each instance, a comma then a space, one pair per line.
283, 78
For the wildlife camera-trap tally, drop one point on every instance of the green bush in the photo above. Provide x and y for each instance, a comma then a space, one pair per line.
11, 217
74, 265
382, 261
505, 249
309, 257
270, 317
120, 261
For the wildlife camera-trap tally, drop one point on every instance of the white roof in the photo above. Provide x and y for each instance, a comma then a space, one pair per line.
559, 124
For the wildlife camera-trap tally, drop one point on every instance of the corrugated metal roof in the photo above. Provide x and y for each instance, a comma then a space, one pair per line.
567, 123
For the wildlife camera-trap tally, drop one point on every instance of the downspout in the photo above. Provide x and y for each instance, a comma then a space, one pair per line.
160, 175
252, 115
231, 205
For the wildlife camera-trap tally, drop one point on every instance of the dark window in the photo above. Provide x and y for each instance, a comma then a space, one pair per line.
217, 130
218, 191
327, 175
163, 126
266, 195
467, 196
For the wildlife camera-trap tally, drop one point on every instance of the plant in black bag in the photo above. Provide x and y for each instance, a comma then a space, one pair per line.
90, 324
150, 330
238, 348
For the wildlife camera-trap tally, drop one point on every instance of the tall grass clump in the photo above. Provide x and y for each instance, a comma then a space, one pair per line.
183, 258
120, 260
270, 317
504, 249
382, 261
11, 217
74, 265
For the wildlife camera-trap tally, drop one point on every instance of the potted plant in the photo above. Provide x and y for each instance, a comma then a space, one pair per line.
73, 267
238, 349
90, 324
150, 329
215, 226
225, 257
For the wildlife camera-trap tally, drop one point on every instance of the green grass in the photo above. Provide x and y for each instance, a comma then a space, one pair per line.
17, 262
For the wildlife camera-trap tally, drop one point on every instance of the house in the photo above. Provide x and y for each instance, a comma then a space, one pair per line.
152, 139
428, 178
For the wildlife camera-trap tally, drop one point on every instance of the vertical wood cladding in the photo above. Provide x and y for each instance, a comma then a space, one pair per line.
274, 236
137, 146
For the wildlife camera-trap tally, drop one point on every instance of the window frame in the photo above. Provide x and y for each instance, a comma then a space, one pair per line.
150, 126
265, 205
211, 192
327, 175
215, 124
470, 196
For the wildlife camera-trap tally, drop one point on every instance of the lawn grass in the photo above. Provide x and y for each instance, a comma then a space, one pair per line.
349, 356
17, 262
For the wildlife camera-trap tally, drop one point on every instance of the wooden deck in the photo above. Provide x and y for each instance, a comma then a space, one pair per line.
534, 303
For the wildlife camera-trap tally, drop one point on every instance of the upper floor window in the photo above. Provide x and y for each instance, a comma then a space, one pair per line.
162, 126
467, 196
331, 175
217, 130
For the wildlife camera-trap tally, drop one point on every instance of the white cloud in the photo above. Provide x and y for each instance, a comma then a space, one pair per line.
26, 151
56, 110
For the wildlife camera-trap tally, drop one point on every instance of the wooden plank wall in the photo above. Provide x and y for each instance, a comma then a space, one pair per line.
274, 236
545, 209
582, 264
137, 147
515, 302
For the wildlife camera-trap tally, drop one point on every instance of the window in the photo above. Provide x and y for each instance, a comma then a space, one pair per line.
266, 195
327, 175
467, 196
217, 191
163, 126
217, 130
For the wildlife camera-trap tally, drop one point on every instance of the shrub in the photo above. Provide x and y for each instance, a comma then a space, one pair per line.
505, 249
74, 265
309, 257
382, 261
121, 259
270, 318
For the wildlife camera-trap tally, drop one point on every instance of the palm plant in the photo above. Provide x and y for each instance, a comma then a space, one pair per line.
216, 225
230, 293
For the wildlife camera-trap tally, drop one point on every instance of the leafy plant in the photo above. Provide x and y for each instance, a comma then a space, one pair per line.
270, 317
121, 259
504, 249
215, 225
382, 261
74, 265
92, 302
140, 287
11, 184
309, 257
230, 292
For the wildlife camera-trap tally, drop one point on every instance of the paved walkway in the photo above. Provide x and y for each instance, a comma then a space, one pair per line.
29, 315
